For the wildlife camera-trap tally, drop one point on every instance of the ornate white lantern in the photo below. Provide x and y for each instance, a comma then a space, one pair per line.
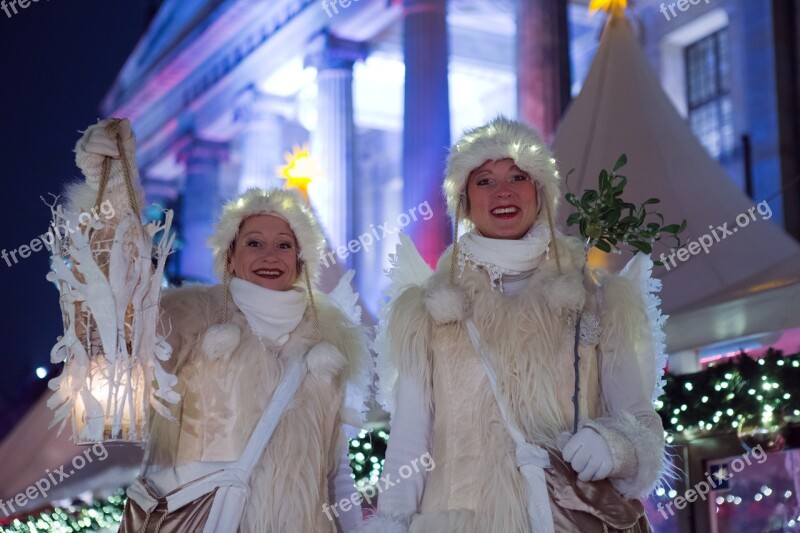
108, 272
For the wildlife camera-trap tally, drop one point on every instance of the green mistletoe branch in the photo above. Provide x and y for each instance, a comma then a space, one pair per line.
608, 222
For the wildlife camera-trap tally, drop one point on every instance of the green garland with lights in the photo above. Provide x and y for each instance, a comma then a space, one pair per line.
99, 515
720, 398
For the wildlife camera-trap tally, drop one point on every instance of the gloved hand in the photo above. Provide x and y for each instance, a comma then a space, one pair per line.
96, 144
588, 453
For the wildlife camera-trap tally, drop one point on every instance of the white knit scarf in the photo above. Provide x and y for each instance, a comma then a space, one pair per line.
499, 257
270, 314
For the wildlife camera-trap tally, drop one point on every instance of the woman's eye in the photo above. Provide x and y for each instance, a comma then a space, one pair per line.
483, 182
520, 177
285, 245
252, 243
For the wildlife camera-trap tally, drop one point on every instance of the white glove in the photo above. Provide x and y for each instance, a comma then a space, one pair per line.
588, 453
97, 144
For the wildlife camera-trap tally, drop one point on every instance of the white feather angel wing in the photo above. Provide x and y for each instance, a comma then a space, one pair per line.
639, 271
346, 298
355, 407
407, 268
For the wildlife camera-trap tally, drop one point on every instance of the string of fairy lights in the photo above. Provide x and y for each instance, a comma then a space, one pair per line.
741, 390
99, 515
367, 455
758, 392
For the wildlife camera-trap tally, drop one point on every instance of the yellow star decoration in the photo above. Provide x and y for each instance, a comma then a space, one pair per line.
615, 7
299, 170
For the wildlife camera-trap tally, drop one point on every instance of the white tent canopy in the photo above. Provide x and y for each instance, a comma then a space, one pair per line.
623, 109
766, 302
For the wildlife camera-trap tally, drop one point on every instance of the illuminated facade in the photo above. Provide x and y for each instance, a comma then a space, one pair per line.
219, 92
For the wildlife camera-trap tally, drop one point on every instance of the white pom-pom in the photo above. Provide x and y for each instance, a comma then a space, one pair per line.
564, 292
446, 305
220, 340
325, 361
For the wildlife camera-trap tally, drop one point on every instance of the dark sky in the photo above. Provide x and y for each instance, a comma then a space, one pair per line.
58, 58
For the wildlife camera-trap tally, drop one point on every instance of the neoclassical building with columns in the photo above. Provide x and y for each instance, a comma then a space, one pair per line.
220, 91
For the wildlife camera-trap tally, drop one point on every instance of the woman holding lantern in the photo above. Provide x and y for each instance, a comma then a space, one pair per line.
263, 364
476, 364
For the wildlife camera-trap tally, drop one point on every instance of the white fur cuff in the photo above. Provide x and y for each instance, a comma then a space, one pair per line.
638, 453
622, 451
386, 523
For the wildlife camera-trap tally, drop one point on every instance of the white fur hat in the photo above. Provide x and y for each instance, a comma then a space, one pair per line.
501, 138
280, 202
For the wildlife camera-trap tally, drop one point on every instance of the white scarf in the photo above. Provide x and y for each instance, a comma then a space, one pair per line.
501, 257
270, 314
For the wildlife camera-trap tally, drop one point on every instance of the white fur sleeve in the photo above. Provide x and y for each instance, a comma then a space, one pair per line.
400, 493
633, 429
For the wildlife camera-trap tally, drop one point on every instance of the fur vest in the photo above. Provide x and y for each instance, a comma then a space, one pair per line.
476, 485
223, 398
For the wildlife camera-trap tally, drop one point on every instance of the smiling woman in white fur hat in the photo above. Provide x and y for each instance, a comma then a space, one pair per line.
233, 346
479, 365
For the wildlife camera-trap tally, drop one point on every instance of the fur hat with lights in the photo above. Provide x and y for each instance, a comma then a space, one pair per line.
501, 138
284, 204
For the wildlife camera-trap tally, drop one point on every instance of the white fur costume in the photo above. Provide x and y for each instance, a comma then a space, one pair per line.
223, 398
227, 376
443, 403
476, 485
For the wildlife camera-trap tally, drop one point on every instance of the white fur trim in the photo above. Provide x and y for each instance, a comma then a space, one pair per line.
634, 475
350, 341
220, 340
501, 138
446, 304
386, 523
408, 269
402, 346
286, 204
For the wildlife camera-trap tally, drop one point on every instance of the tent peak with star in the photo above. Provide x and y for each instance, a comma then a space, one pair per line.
749, 281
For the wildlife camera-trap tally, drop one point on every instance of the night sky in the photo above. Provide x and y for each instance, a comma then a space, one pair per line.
58, 58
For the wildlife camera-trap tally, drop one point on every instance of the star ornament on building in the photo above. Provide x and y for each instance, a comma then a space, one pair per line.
299, 170
615, 7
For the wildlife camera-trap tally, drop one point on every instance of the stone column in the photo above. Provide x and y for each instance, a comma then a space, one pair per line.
332, 144
543, 75
426, 121
200, 207
261, 141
